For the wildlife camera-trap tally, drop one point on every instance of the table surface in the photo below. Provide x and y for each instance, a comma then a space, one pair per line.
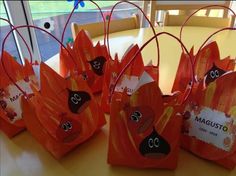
23, 156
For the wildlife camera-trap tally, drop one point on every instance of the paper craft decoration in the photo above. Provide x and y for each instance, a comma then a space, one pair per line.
63, 113
11, 122
90, 61
144, 124
130, 78
209, 118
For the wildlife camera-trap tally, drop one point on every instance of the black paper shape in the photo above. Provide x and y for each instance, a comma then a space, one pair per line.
78, 101
154, 146
214, 73
97, 65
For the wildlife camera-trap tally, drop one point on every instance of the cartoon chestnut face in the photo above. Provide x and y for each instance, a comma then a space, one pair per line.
68, 130
78, 101
154, 146
89, 77
213, 74
140, 118
97, 65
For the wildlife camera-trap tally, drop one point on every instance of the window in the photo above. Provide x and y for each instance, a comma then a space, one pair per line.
53, 17
10, 45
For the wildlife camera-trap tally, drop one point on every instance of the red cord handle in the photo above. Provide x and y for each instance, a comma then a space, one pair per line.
27, 46
67, 21
223, 29
3, 44
138, 52
108, 27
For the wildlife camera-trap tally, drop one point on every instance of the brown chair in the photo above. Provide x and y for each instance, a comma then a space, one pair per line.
185, 7
177, 20
97, 29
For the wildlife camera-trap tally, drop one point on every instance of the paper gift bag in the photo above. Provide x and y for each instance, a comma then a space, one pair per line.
12, 73
209, 122
144, 129
63, 113
208, 66
114, 67
89, 61
208, 116
144, 124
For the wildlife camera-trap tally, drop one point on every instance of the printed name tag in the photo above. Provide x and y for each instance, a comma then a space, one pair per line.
211, 126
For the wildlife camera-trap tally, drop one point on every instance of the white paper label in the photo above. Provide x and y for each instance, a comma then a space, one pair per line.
12, 99
36, 69
129, 82
212, 127
133, 83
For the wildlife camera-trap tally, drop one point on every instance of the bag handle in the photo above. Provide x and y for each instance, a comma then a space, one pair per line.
221, 30
205, 7
138, 52
27, 46
108, 27
68, 19
2, 50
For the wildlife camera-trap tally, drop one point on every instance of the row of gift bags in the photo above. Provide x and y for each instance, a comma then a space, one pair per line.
146, 127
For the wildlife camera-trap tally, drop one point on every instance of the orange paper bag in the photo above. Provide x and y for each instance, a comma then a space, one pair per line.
11, 122
89, 61
145, 125
209, 122
63, 113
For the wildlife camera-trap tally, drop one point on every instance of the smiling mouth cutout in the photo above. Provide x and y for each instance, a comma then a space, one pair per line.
78, 101
154, 146
97, 65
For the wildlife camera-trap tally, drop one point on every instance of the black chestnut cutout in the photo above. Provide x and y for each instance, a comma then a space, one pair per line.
214, 73
154, 146
97, 65
78, 100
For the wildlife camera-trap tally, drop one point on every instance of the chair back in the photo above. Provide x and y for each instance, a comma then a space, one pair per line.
178, 20
97, 29
184, 6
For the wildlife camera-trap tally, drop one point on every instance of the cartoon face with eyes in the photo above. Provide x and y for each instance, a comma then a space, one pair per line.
97, 65
68, 129
154, 146
214, 73
88, 76
140, 118
78, 101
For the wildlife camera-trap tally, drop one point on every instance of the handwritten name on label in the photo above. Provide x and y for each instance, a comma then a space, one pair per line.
128, 82
13, 100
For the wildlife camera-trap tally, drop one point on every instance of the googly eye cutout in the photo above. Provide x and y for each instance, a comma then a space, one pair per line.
217, 74
96, 65
156, 142
137, 113
74, 100
150, 143
85, 76
64, 127
77, 97
69, 125
212, 74
134, 118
